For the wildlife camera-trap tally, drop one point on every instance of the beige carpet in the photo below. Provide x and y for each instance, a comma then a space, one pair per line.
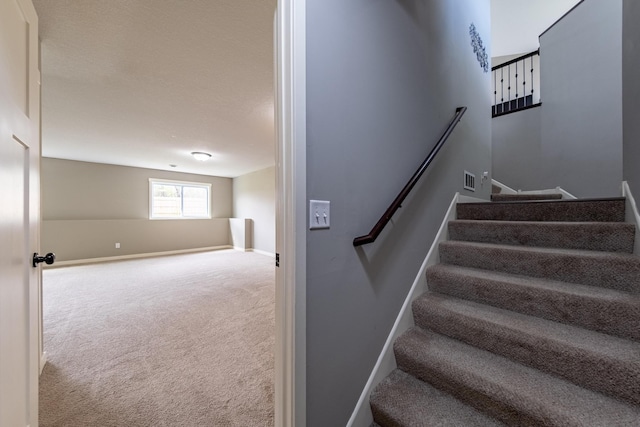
184, 340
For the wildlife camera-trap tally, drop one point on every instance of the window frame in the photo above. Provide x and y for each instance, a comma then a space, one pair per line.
183, 184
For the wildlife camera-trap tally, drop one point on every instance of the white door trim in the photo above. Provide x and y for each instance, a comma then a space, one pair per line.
290, 355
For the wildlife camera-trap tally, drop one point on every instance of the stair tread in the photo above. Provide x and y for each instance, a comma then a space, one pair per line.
601, 309
571, 265
581, 253
524, 223
548, 201
563, 350
579, 338
606, 210
404, 400
599, 236
510, 388
536, 249
559, 286
526, 196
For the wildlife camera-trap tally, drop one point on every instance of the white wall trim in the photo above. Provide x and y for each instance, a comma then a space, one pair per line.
43, 360
504, 189
631, 213
469, 199
508, 190
134, 256
565, 194
386, 363
291, 281
258, 251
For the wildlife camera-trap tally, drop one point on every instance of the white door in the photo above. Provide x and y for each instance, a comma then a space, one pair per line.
19, 213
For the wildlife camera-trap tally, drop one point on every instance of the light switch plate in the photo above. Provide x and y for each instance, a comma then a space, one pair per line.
319, 214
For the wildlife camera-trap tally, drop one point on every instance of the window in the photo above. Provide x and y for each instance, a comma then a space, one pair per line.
177, 199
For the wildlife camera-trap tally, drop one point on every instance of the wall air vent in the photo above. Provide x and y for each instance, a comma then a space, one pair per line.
469, 181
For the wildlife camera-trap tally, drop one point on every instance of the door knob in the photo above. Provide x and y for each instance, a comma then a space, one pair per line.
48, 258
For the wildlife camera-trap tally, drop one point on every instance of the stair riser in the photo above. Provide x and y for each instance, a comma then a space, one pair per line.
489, 403
507, 390
474, 398
399, 400
581, 211
617, 317
612, 237
514, 197
616, 378
596, 270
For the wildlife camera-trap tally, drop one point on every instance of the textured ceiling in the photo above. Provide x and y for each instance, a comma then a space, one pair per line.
145, 82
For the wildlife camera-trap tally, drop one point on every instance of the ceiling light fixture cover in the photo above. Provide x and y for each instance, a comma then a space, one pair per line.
199, 155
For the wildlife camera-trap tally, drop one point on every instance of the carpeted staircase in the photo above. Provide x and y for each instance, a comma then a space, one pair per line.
532, 318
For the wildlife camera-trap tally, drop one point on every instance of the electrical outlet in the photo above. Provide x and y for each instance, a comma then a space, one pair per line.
319, 214
117, 245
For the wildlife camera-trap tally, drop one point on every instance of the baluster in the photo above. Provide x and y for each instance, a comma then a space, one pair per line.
524, 82
509, 87
516, 85
532, 89
495, 88
502, 89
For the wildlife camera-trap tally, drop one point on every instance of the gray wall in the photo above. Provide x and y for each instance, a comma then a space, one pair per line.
581, 139
383, 81
254, 196
88, 207
631, 93
579, 145
517, 157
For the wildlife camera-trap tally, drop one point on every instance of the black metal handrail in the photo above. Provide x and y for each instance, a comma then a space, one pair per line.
518, 59
397, 203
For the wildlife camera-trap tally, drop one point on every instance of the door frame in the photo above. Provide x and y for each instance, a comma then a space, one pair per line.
290, 353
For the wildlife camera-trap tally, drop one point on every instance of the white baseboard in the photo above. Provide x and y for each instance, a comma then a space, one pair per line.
469, 199
134, 256
386, 363
261, 252
632, 215
43, 361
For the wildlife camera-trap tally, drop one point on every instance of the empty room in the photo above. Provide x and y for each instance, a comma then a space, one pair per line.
158, 200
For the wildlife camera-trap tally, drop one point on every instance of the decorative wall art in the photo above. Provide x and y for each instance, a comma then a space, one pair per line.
478, 48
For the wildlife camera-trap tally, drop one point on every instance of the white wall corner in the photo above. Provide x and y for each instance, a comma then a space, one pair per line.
241, 231
631, 214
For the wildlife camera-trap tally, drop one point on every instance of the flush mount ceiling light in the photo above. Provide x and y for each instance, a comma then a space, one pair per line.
199, 155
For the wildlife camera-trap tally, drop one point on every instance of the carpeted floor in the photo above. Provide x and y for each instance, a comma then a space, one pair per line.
184, 340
